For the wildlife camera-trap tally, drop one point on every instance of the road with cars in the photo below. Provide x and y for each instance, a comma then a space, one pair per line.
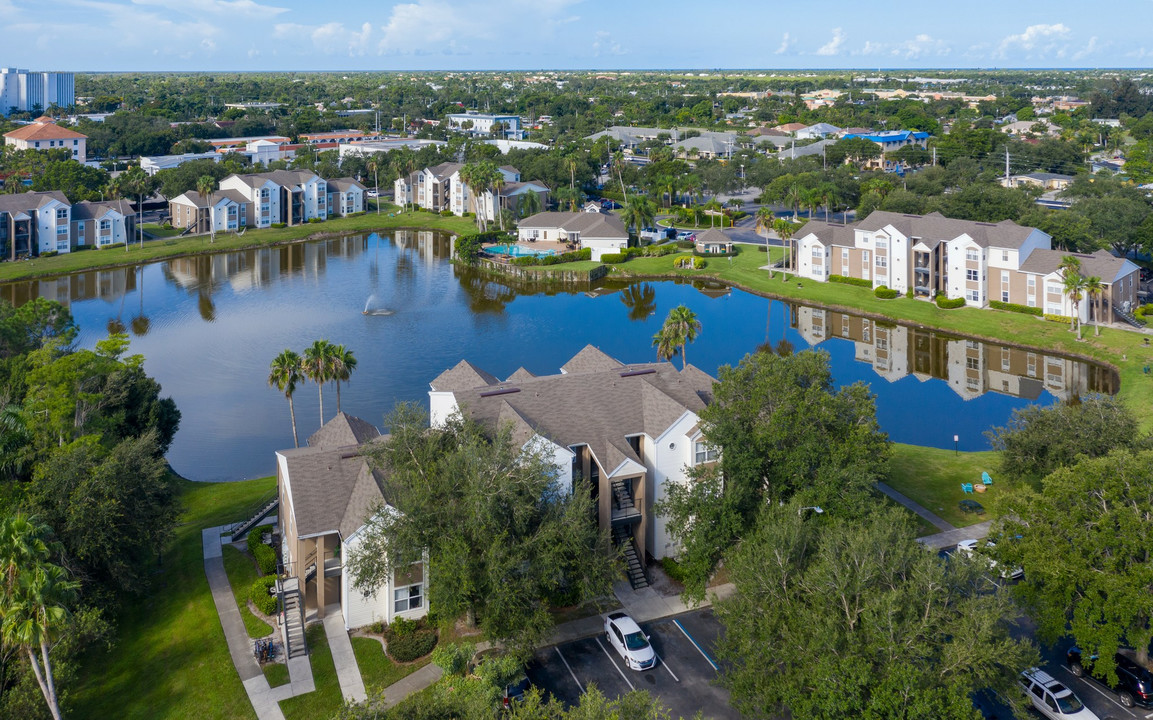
684, 677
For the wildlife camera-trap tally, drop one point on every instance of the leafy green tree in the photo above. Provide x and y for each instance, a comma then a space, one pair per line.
284, 375
501, 538
76, 180
852, 150
1116, 219
783, 432
1085, 549
837, 618
1039, 440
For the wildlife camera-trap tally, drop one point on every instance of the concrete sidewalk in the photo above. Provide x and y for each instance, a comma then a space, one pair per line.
347, 671
410, 684
936, 520
949, 538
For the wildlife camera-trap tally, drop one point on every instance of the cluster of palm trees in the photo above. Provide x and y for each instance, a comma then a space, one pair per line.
482, 176
321, 363
1077, 287
785, 229
681, 328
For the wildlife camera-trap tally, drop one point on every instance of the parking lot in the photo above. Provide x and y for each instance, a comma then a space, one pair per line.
683, 678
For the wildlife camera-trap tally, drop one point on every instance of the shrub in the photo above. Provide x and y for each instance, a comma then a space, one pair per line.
265, 559
859, 282
315, 220
691, 263
613, 258
467, 214
113, 246
377, 627
949, 303
1058, 319
453, 658
528, 260
686, 244
408, 640
256, 536
446, 213
278, 225
1014, 307
260, 595
909, 293
673, 569
886, 293
82, 248
53, 253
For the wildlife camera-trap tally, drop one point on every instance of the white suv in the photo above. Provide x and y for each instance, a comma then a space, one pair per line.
1051, 698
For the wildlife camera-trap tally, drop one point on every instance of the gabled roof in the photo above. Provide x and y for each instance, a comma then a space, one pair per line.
829, 234
85, 210
462, 375
596, 401
25, 202
935, 228
43, 129
445, 169
713, 235
343, 430
1101, 264
345, 184
519, 375
589, 225
514, 188
284, 178
333, 489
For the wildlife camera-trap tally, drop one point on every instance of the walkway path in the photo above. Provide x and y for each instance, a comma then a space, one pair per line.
265, 700
347, 671
939, 522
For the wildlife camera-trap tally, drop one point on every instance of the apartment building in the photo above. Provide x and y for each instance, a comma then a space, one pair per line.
221, 211
441, 188
35, 223
27, 91
45, 134
290, 197
934, 255
475, 123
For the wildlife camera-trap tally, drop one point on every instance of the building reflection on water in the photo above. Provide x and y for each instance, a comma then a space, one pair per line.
970, 367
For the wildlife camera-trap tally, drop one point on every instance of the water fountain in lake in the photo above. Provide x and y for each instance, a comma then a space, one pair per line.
370, 310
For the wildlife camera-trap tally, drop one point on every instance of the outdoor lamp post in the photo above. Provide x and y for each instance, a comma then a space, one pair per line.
956, 444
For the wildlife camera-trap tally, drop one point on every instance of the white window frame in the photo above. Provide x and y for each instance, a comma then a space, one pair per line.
404, 595
703, 453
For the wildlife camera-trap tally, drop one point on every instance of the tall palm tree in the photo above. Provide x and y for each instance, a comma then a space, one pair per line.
317, 367
1095, 290
639, 212
529, 204
618, 163
785, 230
284, 374
666, 342
794, 198
34, 598
685, 327
1074, 285
374, 168
343, 363
205, 186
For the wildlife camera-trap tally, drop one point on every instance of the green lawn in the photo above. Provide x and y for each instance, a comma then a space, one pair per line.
933, 477
162, 231
170, 659
276, 674
390, 217
327, 698
241, 569
376, 669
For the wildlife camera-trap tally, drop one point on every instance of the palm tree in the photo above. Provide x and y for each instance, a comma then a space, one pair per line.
529, 204
374, 168
480, 177
666, 342
34, 598
794, 197
284, 374
684, 326
205, 186
811, 199
1074, 285
829, 197
618, 162
343, 363
638, 212
1095, 290
640, 299
712, 207
785, 230
317, 367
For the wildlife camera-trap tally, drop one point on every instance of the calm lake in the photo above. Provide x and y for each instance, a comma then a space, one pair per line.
209, 326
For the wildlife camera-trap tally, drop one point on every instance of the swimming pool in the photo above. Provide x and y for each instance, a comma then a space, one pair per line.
518, 251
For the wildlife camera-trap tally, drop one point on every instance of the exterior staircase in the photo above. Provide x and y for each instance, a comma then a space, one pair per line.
267, 506
634, 568
1128, 317
292, 614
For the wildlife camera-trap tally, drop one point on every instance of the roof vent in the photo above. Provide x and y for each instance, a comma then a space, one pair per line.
631, 373
500, 391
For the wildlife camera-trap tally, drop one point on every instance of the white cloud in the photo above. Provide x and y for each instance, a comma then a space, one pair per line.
1040, 38
245, 8
605, 45
786, 43
1089, 49
833, 47
331, 38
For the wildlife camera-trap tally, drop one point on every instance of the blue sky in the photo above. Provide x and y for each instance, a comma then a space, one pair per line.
82, 35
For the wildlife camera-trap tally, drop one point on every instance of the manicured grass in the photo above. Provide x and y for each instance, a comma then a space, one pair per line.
326, 699
276, 674
932, 478
376, 669
162, 231
170, 658
241, 569
388, 218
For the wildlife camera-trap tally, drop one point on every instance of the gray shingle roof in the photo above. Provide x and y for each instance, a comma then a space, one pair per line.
713, 235
23, 202
828, 233
935, 227
342, 431
462, 375
332, 489
85, 210
589, 225
1102, 264
344, 184
591, 359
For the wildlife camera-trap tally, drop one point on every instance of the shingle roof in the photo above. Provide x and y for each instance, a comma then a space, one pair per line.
589, 225
935, 227
713, 235
43, 129
829, 234
85, 210
1102, 264
519, 375
597, 401
23, 202
816, 148
332, 489
445, 169
344, 184
462, 375
343, 430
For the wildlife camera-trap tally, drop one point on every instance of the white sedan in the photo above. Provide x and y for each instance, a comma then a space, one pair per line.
630, 642
969, 548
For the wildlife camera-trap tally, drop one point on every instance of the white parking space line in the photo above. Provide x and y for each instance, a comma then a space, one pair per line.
665, 665
570, 672
1150, 715
698, 647
614, 662
1097, 690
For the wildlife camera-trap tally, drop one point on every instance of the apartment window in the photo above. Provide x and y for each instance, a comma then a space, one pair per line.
972, 363
1031, 301
972, 275
882, 243
1004, 296
882, 343
1004, 256
972, 255
845, 255
882, 261
61, 214
62, 230
75, 143
1051, 309
818, 253
105, 224
1054, 289
973, 296
865, 257
702, 453
51, 143
407, 598
37, 143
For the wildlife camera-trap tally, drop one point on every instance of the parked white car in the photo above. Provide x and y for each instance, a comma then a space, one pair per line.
630, 642
969, 549
1052, 699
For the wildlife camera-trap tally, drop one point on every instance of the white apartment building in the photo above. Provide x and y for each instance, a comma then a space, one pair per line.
27, 91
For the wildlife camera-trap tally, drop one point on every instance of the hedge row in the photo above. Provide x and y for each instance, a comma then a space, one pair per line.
1058, 319
886, 293
1014, 307
614, 258
260, 595
585, 254
859, 282
256, 536
265, 558
949, 303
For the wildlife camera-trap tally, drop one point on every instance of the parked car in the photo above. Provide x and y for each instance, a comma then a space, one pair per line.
517, 686
686, 235
1051, 698
1146, 274
610, 204
372, 192
1134, 683
630, 642
970, 548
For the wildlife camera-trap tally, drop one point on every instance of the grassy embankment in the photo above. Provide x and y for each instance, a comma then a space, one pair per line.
389, 218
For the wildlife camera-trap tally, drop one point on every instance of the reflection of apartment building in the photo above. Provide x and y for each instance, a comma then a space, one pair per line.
629, 429
970, 367
934, 255
106, 285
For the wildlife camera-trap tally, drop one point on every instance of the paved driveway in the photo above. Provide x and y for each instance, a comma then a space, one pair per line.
684, 678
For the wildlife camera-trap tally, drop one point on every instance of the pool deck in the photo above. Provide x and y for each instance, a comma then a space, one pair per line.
539, 246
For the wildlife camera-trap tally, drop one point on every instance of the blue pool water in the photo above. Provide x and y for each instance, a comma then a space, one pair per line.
518, 251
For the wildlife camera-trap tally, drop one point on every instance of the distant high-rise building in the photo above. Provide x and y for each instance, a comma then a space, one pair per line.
26, 91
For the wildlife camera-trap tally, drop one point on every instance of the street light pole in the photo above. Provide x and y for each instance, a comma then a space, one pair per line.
956, 444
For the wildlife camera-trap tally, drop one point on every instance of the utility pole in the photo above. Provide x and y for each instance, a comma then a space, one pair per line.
934, 157
1006, 166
